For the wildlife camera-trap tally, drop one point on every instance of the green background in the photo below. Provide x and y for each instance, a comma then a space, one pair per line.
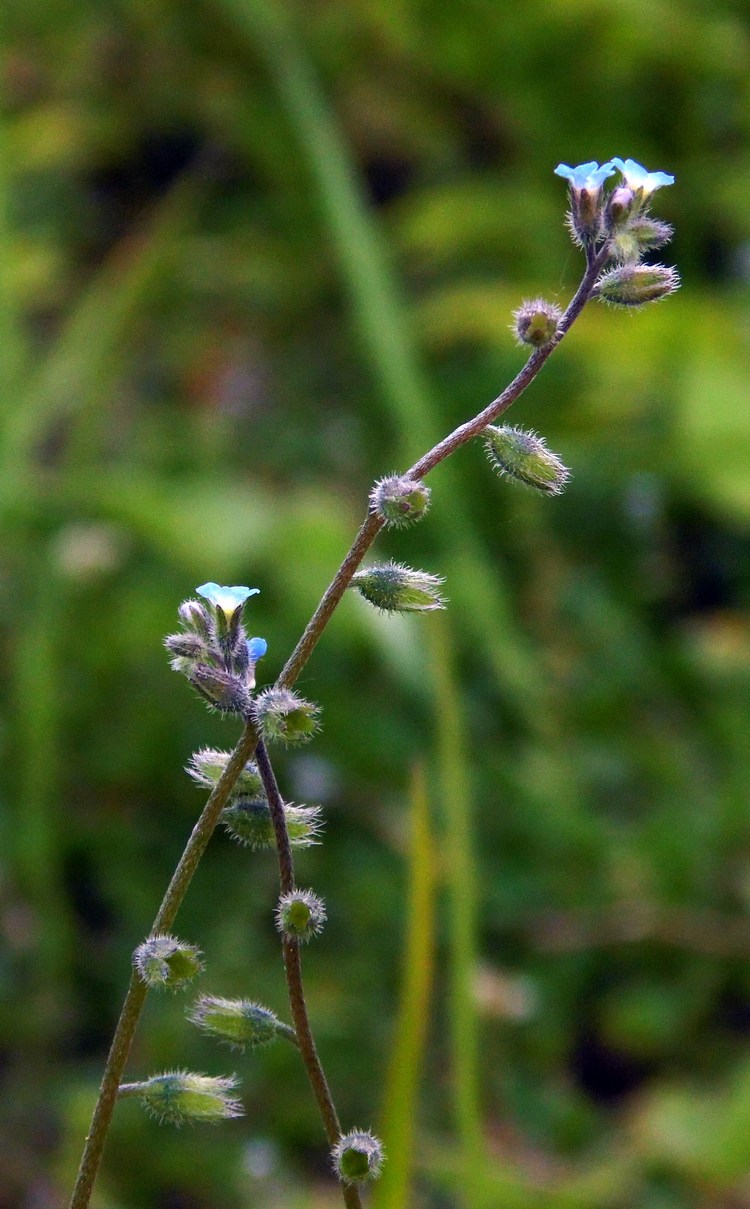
254, 255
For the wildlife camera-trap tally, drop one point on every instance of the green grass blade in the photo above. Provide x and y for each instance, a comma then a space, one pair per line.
402, 1085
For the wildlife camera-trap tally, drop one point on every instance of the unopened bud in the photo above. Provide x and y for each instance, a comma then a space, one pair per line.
194, 616
300, 914
248, 820
179, 1096
394, 588
536, 322
399, 500
282, 715
635, 285
186, 646
238, 1022
357, 1157
221, 690
524, 456
207, 766
164, 961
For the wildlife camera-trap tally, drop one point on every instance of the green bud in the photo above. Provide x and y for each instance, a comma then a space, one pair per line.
634, 285
536, 322
179, 1096
282, 715
524, 456
207, 766
248, 820
164, 961
357, 1157
300, 914
394, 588
639, 235
399, 500
238, 1022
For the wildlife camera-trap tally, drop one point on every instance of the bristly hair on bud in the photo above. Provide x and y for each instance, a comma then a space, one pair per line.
357, 1157
284, 716
248, 821
178, 1096
399, 500
208, 765
238, 1022
164, 961
536, 322
394, 588
524, 456
300, 915
223, 691
636, 284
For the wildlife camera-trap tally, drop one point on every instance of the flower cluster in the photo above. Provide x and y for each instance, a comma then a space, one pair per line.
214, 651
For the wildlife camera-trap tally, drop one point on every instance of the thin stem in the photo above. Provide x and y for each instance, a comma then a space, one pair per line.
204, 828
293, 970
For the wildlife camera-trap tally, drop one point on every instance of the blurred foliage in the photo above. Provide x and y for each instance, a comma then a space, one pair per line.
255, 254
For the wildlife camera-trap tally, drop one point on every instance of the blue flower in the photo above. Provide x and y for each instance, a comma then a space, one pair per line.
637, 177
256, 649
228, 600
586, 176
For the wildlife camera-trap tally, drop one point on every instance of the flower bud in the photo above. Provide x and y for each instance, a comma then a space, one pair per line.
629, 242
194, 616
164, 961
238, 1022
357, 1157
300, 914
536, 322
620, 205
179, 1096
186, 646
635, 285
248, 820
394, 588
207, 766
399, 500
282, 715
524, 456
222, 690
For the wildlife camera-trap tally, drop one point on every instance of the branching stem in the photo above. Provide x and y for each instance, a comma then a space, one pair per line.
248, 743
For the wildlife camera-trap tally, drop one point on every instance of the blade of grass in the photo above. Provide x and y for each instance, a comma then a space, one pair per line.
80, 368
452, 774
407, 1054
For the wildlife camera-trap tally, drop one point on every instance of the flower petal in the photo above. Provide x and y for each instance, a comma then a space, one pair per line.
585, 176
225, 598
638, 177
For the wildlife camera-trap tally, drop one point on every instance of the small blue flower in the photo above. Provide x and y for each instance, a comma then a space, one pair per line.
637, 177
228, 600
256, 649
586, 176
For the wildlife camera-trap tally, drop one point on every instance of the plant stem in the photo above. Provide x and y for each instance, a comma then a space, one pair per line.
247, 744
293, 970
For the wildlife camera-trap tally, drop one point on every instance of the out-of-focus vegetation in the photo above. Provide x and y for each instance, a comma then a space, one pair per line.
255, 254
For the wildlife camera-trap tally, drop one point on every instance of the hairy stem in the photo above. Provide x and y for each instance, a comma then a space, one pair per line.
247, 744
293, 970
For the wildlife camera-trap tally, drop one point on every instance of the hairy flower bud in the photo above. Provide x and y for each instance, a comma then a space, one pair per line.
208, 765
524, 456
394, 588
194, 616
238, 1022
164, 961
635, 285
282, 715
222, 690
248, 820
536, 322
399, 500
300, 914
186, 646
181, 1095
358, 1157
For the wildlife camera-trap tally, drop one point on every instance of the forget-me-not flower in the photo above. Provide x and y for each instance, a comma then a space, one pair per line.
588, 176
638, 178
228, 600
